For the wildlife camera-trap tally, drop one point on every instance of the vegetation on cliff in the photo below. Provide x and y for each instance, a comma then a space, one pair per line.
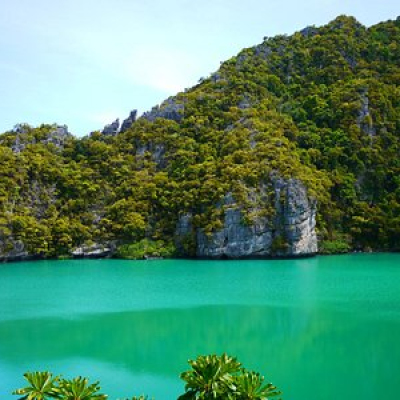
321, 106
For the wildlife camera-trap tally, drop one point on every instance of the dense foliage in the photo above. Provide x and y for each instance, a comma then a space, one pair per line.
211, 377
222, 377
146, 249
42, 386
321, 105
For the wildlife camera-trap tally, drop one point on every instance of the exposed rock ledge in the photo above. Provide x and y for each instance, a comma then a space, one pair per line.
291, 232
95, 250
15, 250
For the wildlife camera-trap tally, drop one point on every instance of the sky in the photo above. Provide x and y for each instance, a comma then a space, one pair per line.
85, 63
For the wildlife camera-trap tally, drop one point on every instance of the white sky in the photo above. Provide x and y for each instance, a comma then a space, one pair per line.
85, 63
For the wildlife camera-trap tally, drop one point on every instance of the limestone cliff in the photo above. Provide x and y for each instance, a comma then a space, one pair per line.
56, 136
289, 232
169, 109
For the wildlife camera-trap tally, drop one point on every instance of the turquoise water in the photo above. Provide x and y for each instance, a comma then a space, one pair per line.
319, 328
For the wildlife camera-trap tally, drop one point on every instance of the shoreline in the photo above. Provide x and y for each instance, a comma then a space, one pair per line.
30, 258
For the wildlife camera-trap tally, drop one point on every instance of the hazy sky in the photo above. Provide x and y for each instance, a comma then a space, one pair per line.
86, 62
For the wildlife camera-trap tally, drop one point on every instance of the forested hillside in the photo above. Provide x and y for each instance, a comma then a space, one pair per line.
295, 124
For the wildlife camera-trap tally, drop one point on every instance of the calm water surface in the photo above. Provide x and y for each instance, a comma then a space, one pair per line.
321, 328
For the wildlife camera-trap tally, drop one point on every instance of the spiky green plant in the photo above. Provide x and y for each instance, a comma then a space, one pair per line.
250, 386
42, 386
211, 377
222, 378
79, 389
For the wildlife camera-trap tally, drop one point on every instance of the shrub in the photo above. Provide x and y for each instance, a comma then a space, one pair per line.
222, 377
146, 248
336, 246
211, 377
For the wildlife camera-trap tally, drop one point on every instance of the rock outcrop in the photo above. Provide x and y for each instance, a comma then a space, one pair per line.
15, 250
57, 137
289, 232
364, 119
95, 250
236, 239
169, 109
111, 129
309, 31
127, 123
157, 151
296, 216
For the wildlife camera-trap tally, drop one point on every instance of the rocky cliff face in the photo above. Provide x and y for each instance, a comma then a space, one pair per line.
115, 127
290, 232
15, 250
364, 119
128, 122
111, 129
95, 250
298, 215
169, 109
57, 137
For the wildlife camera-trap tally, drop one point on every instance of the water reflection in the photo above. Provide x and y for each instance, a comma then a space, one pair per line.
309, 353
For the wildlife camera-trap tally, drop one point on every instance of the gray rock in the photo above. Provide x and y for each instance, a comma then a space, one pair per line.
95, 250
127, 123
291, 232
309, 31
184, 226
364, 120
349, 59
216, 77
235, 239
241, 59
170, 109
298, 215
157, 151
185, 235
18, 144
245, 102
263, 51
111, 129
56, 137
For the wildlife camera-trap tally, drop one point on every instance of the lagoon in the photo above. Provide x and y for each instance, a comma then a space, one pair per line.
318, 328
